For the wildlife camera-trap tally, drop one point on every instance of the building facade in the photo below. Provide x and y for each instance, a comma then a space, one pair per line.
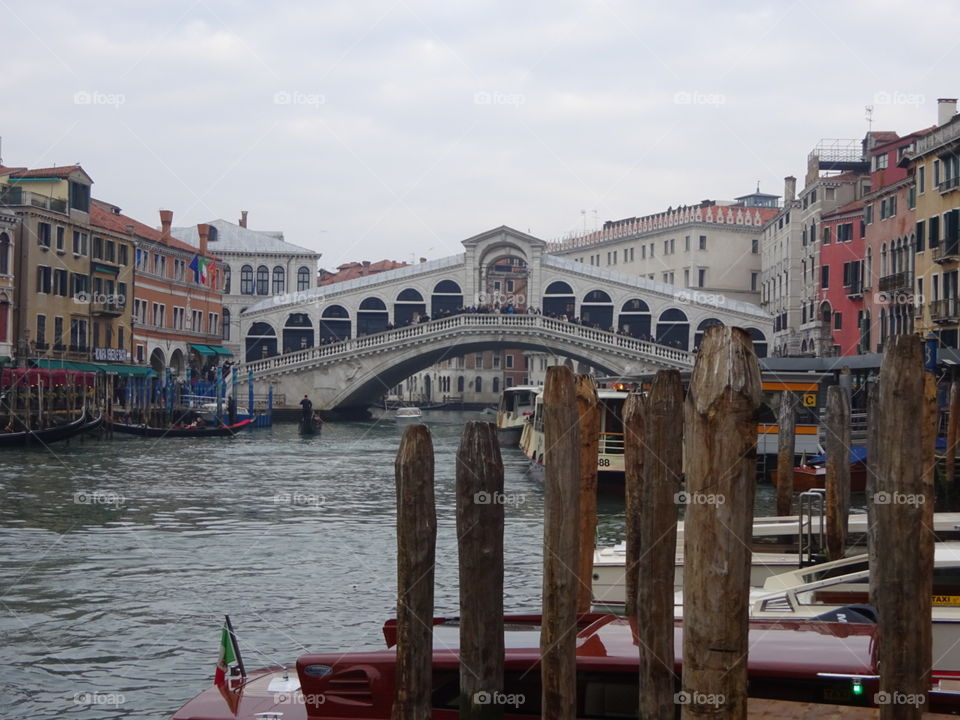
8, 250
256, 265
176, 311
935, 164
713, 247
72, 279
843, 302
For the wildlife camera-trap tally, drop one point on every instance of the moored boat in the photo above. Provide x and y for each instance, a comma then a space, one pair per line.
517, 405
180, 432
809, 661
408, 413
82, 424
813, 473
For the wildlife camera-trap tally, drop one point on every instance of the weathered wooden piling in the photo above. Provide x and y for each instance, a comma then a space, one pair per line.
837, 444
720, 440
561, 545
786, 450
589, 412
480, 521
416, 549
870, 486
633, 459
659, 493
901, 579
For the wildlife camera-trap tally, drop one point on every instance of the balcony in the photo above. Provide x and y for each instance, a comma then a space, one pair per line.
897, 282
855, 289
946, 252
106, 309
14, 196
949, 184
945, 311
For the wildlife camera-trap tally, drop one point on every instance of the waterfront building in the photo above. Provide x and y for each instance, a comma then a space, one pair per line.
934, 161
256, 265
72, 279
8, 231
713, 247
177, 310
843, 282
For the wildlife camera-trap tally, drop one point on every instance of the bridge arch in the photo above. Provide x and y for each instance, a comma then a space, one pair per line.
297, 332
634, 318
759, 341
558, 300
673, 329
261, 341
702, 328
334, 324
447, 298
372, 316
596, 309
408, 307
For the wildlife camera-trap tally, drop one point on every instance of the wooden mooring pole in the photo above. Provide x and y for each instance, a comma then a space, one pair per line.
633, 459
901, 579
720, 448
561, 545
953, 422
416, 549
870, 485
659, 493
786, 451
589, 412
480, 520
837, 444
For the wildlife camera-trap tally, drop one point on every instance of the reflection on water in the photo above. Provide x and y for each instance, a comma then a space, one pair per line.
119, 558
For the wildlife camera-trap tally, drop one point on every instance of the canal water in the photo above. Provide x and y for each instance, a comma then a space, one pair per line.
119, 558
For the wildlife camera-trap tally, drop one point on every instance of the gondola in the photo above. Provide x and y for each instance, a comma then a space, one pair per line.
179, 432
66, 431
310, 426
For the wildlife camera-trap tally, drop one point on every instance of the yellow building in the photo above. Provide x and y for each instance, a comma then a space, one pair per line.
74, 281
935, 159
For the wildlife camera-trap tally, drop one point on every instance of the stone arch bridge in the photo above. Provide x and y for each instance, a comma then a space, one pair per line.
347, 344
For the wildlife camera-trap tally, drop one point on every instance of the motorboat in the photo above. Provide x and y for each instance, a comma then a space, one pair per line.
408, 413
517, 405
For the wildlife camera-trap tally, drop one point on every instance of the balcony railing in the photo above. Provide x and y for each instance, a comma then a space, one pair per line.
855, 289
947, 251
901, 281
110, 309
946, 310
949, 184
13, 196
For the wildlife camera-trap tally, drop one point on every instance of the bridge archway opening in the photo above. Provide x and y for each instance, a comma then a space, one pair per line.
297, 332
506, 282
334, 324
759, 341
157, 361
673, 329
177, 361
408, 307
447, 299
372, 316
559, 300
634, 318
261, 342
702, 328
597, 310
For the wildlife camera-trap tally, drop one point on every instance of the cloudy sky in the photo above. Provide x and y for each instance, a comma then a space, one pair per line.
396, 128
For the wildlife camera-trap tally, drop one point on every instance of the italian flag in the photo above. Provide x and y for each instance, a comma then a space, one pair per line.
228, 655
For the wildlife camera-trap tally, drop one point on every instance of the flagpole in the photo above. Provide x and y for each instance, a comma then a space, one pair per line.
236, 647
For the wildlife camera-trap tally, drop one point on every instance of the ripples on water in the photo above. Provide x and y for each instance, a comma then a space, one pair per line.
120, 558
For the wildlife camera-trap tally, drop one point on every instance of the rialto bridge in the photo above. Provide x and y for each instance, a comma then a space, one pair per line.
346, 344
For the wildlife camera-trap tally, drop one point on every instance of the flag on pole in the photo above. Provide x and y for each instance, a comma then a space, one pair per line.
229, 654
204, 264
195, 266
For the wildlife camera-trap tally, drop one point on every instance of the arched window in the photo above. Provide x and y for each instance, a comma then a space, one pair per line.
263, 280
303, 279
226, 279
279, 284
226, 324
496, 384
4, 254
246, 280
460, 384
478, 384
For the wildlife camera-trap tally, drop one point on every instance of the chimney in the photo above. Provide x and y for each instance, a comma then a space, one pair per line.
166, 220
243, 218
789, 190
946, 109
366, 263
203, 230
423, 260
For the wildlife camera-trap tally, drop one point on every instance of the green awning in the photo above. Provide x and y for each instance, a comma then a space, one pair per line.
220, 350
203, 349
125, 370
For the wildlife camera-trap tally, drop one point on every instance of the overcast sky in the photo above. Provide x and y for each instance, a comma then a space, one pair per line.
372, 129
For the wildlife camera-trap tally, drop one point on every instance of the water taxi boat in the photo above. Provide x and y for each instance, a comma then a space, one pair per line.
791, 660
408, 413
517, 405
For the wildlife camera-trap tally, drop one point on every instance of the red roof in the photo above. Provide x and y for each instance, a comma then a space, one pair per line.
351, 270
119, 223
52, 172
850, 207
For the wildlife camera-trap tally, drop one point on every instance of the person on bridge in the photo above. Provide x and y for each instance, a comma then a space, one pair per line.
307, 407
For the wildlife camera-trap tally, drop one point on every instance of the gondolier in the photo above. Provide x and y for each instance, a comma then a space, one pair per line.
307, 409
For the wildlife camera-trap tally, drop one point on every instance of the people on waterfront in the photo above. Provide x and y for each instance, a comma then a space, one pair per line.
231, 410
